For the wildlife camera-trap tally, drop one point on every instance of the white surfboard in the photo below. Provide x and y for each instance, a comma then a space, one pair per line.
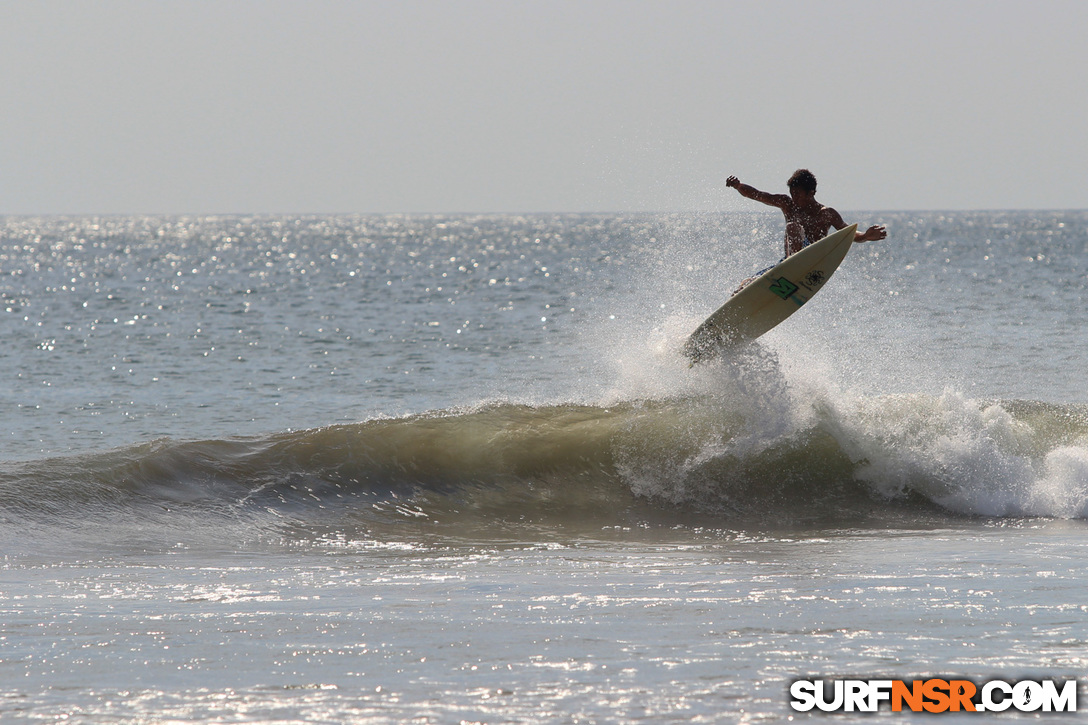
770, 298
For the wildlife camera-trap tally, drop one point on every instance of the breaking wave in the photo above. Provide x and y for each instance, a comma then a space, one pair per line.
697, 460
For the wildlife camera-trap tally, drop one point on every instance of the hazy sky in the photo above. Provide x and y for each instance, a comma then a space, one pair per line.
512, 106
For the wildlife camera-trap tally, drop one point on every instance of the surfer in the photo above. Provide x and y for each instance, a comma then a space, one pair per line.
807, 220
745, 317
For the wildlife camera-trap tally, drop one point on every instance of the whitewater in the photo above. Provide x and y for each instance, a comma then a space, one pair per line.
453, 468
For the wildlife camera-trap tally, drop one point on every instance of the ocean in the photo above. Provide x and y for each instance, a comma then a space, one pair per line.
444, 469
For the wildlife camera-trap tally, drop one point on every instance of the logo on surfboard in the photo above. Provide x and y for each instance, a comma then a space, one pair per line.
783, 288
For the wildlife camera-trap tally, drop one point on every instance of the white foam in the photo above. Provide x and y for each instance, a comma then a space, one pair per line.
1062, 491
967, 456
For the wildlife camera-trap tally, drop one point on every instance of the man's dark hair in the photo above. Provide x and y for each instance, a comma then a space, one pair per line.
804, 179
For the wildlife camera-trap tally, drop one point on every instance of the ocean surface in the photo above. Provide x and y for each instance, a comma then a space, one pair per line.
442, 469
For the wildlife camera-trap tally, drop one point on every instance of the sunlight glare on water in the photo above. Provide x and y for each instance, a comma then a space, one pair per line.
432, 469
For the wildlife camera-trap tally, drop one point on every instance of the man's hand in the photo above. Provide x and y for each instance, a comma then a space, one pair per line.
873, 234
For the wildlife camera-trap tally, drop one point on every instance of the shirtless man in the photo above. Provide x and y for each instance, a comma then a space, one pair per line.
807, 220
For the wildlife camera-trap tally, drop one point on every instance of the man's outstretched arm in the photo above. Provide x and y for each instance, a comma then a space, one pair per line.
751, 192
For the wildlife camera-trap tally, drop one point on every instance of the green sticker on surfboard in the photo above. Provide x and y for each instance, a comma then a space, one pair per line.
783, 288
